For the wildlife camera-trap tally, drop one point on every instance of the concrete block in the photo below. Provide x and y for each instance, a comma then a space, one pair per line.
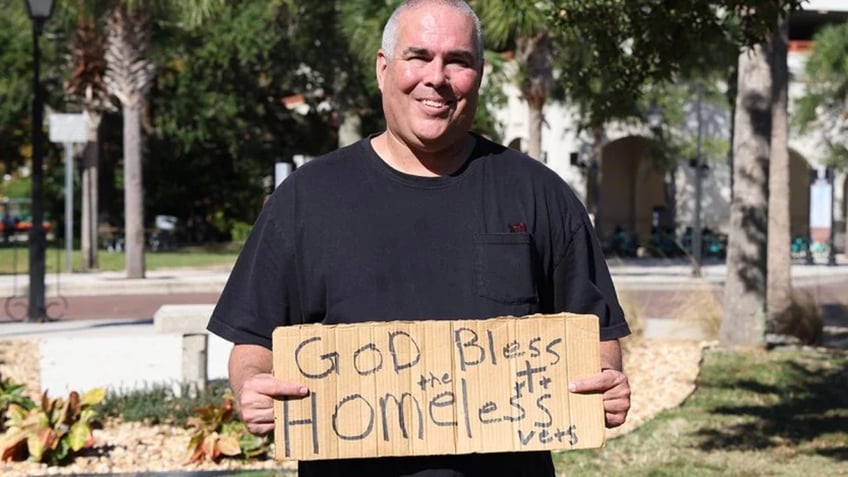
183, 319
120, 363
194, 362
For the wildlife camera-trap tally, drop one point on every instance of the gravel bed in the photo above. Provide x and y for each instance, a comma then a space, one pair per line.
662, 374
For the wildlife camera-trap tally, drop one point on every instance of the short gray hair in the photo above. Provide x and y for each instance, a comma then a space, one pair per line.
390, 31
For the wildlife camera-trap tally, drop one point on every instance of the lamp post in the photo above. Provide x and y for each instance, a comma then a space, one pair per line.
696, 219
38, 11
831, 251
655, 117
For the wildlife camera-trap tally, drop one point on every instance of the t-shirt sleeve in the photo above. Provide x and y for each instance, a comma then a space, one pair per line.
256, 298
582, 282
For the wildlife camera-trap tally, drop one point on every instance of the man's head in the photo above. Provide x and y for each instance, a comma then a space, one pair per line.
429, 71
390, 31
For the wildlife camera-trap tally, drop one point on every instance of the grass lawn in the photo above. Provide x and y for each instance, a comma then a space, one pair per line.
16, 260
755, 413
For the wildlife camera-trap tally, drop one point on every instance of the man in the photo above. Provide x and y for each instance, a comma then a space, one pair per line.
425, 221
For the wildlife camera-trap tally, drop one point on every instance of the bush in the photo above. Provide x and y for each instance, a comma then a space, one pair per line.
159, 404
52, 431
802, 319
12, 393
240, 231
216, 432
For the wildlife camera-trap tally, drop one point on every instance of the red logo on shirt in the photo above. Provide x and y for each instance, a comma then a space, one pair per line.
518, 227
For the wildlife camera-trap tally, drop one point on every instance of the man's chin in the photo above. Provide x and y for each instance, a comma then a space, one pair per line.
435, 142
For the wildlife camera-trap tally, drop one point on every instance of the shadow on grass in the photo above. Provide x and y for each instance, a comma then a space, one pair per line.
807, 409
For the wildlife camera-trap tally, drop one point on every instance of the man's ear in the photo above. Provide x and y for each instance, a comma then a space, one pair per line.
380, 67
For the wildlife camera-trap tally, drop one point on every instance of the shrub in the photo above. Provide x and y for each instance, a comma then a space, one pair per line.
240, 231
12, 393
801, 319
53, 430
217, 433
159, 404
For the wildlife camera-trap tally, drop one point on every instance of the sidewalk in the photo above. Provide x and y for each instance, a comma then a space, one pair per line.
628, 274
167, 281
128, 353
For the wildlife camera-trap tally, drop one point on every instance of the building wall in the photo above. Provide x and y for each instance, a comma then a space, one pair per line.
627, 192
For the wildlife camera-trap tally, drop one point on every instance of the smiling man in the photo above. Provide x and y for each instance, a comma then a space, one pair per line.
423, 221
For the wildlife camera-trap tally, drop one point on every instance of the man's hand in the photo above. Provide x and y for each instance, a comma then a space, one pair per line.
616, 389
611, 382
256, 388
256, 400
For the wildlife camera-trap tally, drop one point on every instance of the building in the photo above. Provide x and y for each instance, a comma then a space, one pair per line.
636, 196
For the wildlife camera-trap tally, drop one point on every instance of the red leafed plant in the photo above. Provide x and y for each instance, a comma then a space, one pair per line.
217, 433
51, 431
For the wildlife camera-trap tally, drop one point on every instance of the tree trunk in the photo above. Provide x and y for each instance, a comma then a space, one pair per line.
535, 122
597, 177
779, 292
535, 56
133, 191
89, 185
350, 127
745, 286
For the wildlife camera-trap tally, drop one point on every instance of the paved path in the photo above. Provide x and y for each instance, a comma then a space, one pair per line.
658, 286
108, 307
104, 321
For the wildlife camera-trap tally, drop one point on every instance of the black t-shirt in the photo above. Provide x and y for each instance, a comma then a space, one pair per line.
346, 239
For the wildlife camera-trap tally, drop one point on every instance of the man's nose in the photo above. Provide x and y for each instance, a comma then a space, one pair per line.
436, 75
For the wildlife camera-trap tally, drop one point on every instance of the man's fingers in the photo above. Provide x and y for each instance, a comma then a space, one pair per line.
268, 385
600, 382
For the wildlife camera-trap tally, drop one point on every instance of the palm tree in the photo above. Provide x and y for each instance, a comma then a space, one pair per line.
129, 76
86, 84
525, 24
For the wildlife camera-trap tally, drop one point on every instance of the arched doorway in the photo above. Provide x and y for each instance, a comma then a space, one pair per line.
632, 188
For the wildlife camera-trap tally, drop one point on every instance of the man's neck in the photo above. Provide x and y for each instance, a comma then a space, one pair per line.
399, 156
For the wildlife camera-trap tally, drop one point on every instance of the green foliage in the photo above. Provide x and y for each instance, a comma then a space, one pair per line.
220, 116
12, 393
825, 101
52, 431
217, 433
616, 48
503, 22
240, 231
158, 404
16, 93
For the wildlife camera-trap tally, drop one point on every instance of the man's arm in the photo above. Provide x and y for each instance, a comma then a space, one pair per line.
256, 388
611, 381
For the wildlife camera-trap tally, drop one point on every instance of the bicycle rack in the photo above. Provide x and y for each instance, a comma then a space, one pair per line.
17, 305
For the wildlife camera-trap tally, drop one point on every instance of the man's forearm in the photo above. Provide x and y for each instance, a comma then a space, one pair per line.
611, 355
247, 361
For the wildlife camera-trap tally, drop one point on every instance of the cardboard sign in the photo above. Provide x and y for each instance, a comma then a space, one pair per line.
438, 387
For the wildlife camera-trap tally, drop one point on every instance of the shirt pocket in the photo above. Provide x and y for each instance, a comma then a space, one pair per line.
504, 268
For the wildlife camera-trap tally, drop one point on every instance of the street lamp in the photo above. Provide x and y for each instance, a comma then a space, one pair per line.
39, 11
699, 166
654, 115
831, 250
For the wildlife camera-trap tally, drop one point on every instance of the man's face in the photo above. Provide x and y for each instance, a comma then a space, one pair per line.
430, 85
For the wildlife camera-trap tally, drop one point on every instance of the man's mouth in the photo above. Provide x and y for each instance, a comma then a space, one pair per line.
435, 103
